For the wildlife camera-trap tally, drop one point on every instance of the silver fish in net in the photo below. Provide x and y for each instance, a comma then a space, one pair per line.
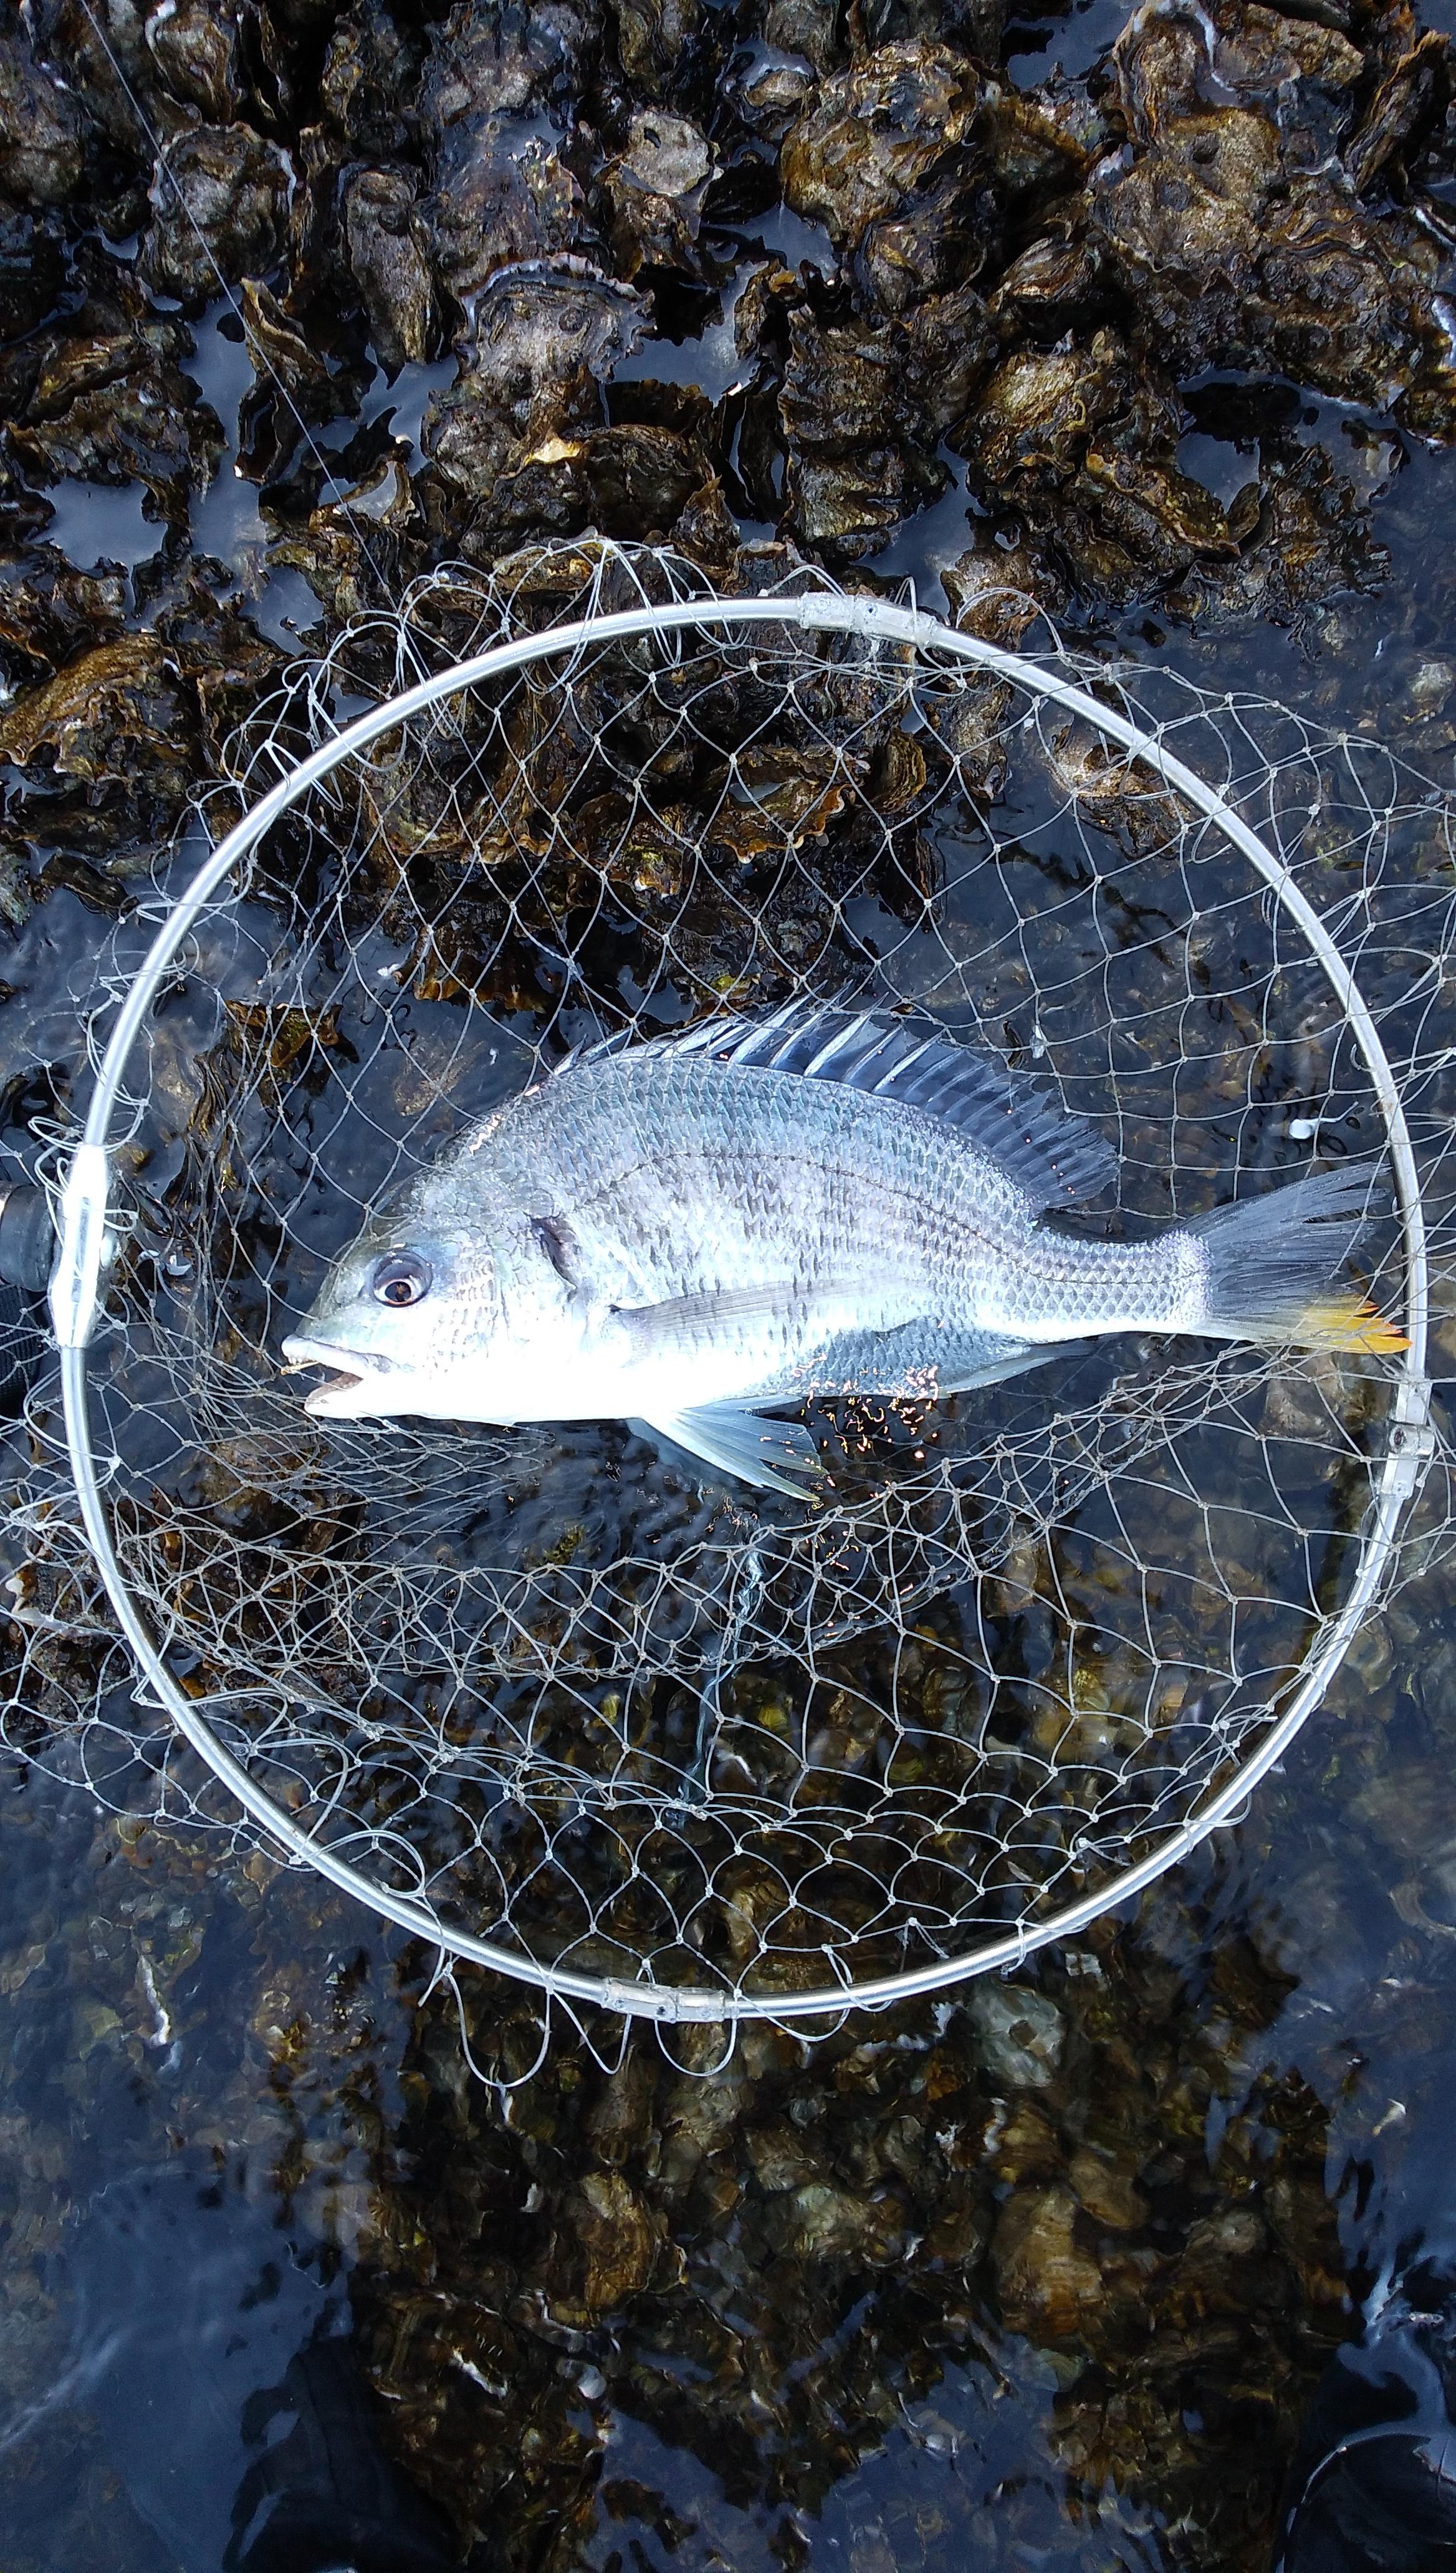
814, 1206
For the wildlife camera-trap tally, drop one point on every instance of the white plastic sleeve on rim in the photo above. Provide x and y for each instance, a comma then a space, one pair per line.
76, 1279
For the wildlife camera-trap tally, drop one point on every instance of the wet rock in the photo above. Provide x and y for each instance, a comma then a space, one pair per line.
1225, 2269
1107, 2193
974, 25
847, 480
655, 189
1053, 284
370, 79
1233, 232
706, 529
219, 203
49, 611
997, 592
531, 384
1032, 155
773, 95
1405, 104
1021, 2035
197, 51
1084, 442
1304, 536
656, 40
111, 405
224, 662
808, 27
33, 269
890, 161
100, 50
493, 108
294, 388
389, 253
1048, 2286
42, 148
946, 347
116, 710
1023, 2143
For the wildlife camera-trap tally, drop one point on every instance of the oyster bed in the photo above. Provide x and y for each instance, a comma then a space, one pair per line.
296, 306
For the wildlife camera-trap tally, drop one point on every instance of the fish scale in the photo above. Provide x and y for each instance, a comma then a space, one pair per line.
755, 1213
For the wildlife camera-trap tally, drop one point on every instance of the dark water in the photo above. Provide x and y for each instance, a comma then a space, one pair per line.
1043, 2275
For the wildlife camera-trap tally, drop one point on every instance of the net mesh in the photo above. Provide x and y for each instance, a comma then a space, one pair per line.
614, 1718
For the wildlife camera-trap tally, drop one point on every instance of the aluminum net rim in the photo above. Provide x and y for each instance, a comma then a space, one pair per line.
86, 1207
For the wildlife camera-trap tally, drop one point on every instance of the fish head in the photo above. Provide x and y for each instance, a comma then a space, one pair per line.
403, 1318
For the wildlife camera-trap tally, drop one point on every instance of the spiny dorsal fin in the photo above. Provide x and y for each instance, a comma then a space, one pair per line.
1056, 1158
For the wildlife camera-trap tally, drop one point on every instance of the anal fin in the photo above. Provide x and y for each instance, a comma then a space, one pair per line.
746, 1446
1014, 1358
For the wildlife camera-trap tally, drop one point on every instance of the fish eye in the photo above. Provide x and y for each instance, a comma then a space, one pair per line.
401, 1278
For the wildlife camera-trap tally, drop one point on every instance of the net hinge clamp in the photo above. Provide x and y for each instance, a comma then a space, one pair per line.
1411, 1443
76, 1277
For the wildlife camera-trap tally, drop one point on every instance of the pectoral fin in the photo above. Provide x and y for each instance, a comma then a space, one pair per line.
744, 1444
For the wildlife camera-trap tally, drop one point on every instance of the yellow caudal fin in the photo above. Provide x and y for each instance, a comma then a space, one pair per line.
1348, 1322
1275, 1265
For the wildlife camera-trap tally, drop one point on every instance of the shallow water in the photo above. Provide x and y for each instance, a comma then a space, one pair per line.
774, 2315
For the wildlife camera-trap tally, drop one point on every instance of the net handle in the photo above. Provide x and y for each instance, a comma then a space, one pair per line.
85, 1197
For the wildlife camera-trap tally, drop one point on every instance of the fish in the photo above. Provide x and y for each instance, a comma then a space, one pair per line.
699, 1231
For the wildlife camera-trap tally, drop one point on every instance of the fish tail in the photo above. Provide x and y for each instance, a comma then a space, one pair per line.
1273, 1265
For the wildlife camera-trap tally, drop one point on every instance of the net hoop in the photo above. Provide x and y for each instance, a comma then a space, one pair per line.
85, 1206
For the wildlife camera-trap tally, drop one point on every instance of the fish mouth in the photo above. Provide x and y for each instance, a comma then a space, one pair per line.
351, 1372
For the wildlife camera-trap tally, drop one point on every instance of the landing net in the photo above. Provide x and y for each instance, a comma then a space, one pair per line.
548, 1696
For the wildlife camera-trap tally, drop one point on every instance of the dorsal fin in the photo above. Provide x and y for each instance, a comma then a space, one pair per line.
1056, 1158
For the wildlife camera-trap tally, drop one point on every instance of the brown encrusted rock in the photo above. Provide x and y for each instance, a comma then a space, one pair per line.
49, 611
1303, 534
655, 189
220, 202
1047, 2285
974, 25
100, 49
111, 406
890, 161
1084, 442
946, 346
493, 108
197, 48
541, 347
42, 153
655, 39
119, 707
370, 79
1405, 104
1232, 231
818, 2222
33, 269
388, 246
848, 475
